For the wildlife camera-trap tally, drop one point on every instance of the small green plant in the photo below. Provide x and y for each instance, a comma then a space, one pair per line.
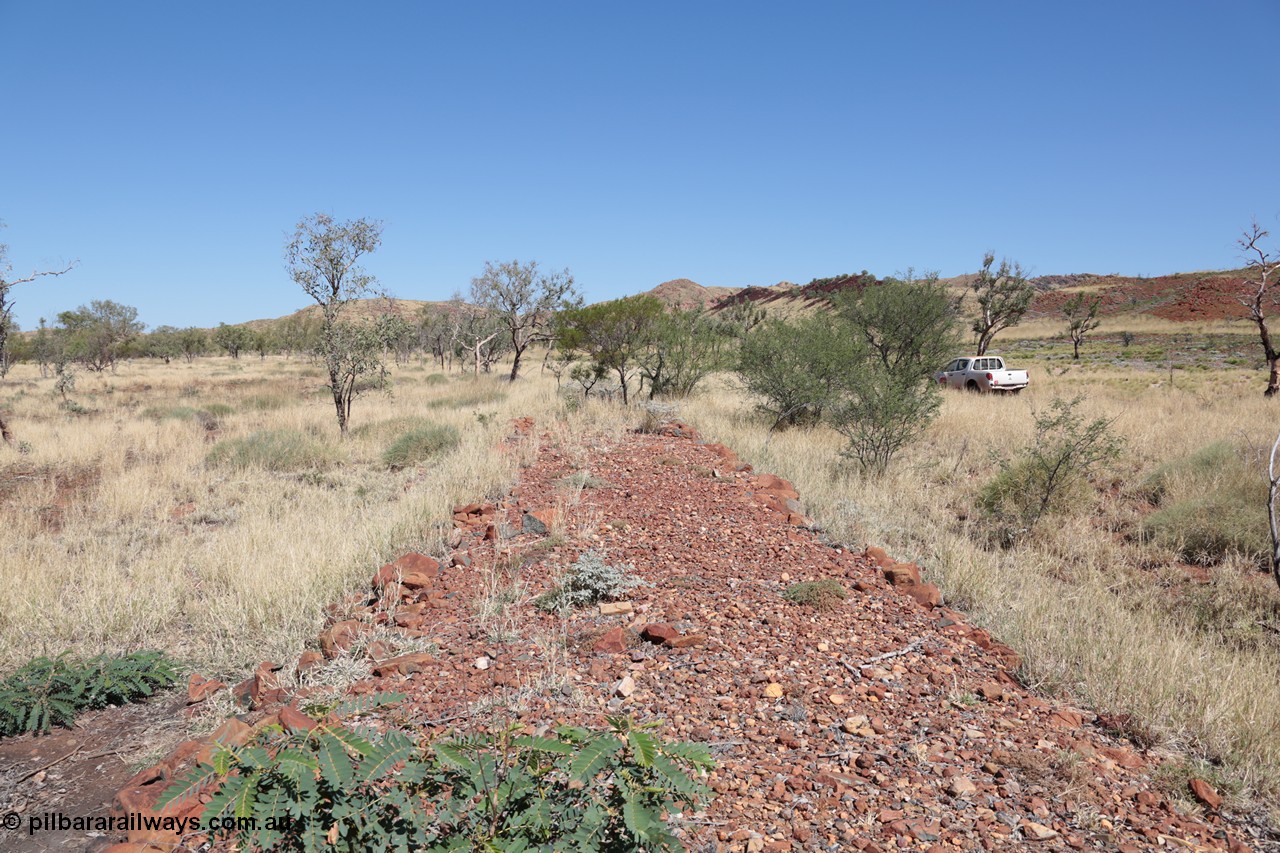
436, 379
50, 692
334, 788
1051, 475
825, 594
419, 445
273, 450
588, 580
1212, 504
66, 381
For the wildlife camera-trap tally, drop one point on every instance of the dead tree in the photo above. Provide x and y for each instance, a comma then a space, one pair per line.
1265, 288
6, 315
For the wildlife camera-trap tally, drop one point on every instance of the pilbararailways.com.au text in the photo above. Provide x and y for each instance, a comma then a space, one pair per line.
135, 821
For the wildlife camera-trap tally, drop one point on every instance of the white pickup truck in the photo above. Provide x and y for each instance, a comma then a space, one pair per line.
981, 373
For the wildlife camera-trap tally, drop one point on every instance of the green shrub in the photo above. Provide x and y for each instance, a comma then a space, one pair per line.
588, 581
50, 692
795, 368
1051, 475
1205, 529
477, 396
1213, 503
334, 788
1193, 473
436, 379
273, 450
825, 594
419, 445
219, 409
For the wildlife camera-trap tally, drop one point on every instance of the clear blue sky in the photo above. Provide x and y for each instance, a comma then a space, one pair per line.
171, 146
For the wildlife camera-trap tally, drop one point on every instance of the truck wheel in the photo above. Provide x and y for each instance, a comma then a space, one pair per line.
973, 387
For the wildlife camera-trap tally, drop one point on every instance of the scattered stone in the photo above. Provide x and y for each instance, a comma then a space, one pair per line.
1037, 831
773, 691
482, 662
1205, 793
200, 688
613, 641
659, 632
624, 687
615, 608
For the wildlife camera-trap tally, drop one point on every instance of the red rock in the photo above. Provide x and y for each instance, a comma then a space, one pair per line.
926, 594
878, 556
613, 641
295, 721
659, 632
687, 641
1205, 793
540, 521
412, 563
306, 660
902, 574
1066, 719
339, 637
402, 665
991, 691
200, 688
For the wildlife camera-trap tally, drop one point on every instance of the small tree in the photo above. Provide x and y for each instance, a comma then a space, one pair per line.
614, 335
1264, 267
97, 334
887, 398
192, 341
1003, 298
796, 368
524, 300
233, 339
687, 346
323, 259
1082, 318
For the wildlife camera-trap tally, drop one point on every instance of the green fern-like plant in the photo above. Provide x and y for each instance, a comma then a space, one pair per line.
334, 788
49, 692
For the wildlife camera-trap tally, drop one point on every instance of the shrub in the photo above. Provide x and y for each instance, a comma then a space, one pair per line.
825, 594
50, 692
1213, 503
436, 379
588, 580
333, 788
795, 368
1205, 529
1052, 474
220, 410
880, 412
273, 450
419, 445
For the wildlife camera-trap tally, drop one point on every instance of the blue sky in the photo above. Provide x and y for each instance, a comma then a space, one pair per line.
171, 146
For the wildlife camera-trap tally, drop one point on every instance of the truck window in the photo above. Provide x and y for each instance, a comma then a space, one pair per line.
962, 363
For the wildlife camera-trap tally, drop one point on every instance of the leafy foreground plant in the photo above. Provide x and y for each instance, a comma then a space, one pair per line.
334, 788
826, 594
589, 580
50, 692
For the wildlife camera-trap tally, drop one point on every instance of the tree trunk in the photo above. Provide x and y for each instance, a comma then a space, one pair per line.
338, 403
1075, 351
4, 430
1273, 379
515, 365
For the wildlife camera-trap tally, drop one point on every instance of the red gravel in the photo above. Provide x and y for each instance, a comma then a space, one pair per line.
879, 724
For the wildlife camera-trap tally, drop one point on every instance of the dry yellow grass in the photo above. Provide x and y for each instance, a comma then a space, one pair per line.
119, 533
1079, 601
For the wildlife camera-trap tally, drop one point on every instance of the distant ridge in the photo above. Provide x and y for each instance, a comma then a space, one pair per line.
685, 294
